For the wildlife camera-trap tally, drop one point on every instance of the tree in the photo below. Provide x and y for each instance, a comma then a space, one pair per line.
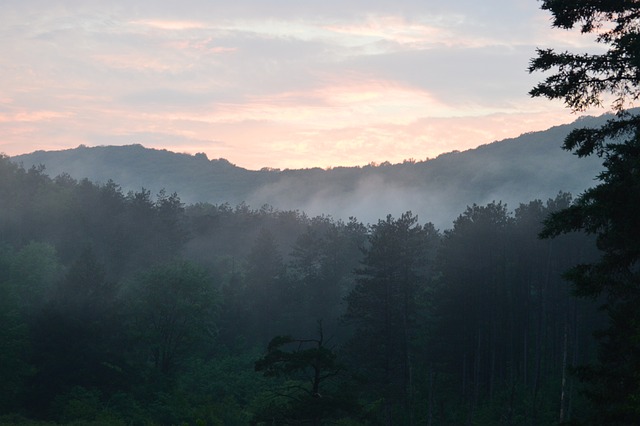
174, 306
74, 336
14, 336
314, 389
610, 209
266, 286
475, 268
169, 213
322, 262
385, 305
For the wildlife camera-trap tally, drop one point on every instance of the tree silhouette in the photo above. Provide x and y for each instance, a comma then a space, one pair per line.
314, 386
609, 210
385, 304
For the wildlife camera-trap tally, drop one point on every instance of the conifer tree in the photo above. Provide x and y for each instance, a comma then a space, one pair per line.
384, 306
610, 209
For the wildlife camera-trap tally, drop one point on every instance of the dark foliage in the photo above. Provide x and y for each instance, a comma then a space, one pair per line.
133, 309
608, 210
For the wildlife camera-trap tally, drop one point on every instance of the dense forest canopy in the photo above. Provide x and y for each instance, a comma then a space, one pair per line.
133, 308
516, 170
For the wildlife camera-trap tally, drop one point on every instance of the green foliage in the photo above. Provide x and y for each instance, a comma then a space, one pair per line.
581, 80
79, 404
26, 280
323, 259
74, 336
129, 309
387, 305
608, 210
222, 388
313, 389
13, 340
505, 318
174, 309
515, 169
33, 272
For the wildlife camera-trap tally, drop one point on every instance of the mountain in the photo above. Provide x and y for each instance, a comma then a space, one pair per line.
513, 170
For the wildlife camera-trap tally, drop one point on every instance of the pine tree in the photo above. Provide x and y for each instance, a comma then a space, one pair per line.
385, 306
609, 210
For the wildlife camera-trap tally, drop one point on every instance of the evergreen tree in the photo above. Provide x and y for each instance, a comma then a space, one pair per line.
323, 259
474, 302
174, 310
76, 336
610, 209
266, 288
385, 305
315, 388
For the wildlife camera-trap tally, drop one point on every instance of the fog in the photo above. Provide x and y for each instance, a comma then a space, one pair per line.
140, 298
371, 199
518, 170
437, 190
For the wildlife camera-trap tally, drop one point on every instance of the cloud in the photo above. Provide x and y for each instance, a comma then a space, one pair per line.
180, 142
33, 116
169, 24
164, 98
392, 28
281, 83
486, 75
139, 62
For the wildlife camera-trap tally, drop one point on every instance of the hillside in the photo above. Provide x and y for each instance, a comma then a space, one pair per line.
513, 170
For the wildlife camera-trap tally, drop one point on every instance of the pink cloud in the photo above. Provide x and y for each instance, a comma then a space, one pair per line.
171, 25
292, 146
338, 103
392, 28
284, 142
200, 46
140, 62
33, 116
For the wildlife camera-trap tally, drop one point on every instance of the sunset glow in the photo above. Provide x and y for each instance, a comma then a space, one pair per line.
288, 86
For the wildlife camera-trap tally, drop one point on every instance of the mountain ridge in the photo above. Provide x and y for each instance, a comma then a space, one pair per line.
512, 170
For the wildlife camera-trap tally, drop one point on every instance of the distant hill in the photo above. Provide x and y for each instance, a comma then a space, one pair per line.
513, 170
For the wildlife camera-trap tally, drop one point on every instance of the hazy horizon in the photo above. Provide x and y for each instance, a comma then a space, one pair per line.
283, 86
326, 168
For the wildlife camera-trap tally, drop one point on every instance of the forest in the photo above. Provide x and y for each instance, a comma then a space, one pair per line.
516, 170
137, 309
132, 307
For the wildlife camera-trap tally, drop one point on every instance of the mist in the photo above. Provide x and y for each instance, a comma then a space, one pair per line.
119, 294
514, 171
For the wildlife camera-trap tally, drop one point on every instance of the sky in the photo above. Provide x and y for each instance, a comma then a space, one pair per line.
274, 83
